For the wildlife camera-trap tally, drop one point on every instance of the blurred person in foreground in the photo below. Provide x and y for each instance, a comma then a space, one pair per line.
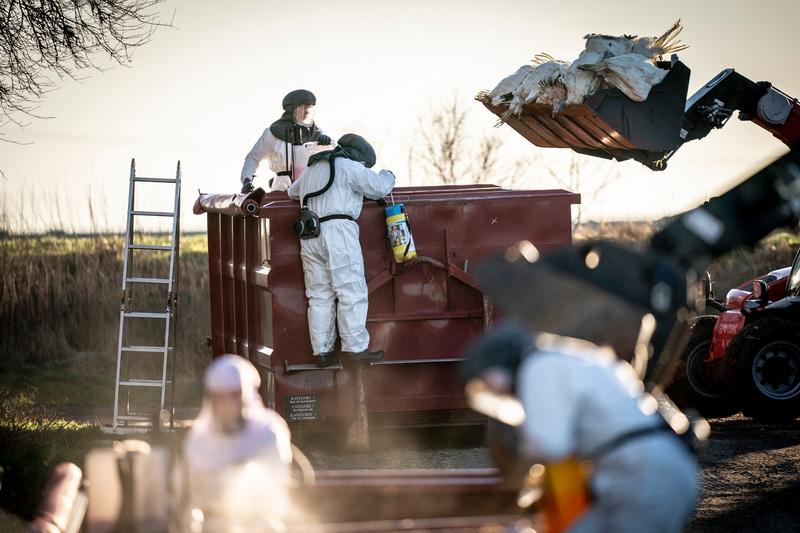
238, 454
576, 399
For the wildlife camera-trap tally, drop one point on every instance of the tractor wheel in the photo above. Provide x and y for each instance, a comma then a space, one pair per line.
692, 387
768, 373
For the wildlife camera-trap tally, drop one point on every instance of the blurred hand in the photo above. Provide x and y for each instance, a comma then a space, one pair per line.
323, 139
247, 186
280, 183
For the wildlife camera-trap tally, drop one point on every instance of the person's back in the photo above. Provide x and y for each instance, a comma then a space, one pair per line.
352, 183
579, 401
333, 266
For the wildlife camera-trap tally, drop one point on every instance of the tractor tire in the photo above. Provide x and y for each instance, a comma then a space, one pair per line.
767, 354
691, 386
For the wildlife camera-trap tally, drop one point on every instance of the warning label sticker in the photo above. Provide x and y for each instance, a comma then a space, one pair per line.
304, 407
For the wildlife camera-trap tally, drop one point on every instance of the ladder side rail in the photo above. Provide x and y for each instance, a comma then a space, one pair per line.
176, 275
171, 286
124, 291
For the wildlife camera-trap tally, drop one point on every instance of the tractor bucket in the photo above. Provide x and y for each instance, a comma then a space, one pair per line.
609, 124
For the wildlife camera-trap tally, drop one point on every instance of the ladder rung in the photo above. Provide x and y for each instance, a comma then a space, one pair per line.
153, 213
142, 383
150, 247
135, 418
145, 315
156, 180
148, 280
145, 349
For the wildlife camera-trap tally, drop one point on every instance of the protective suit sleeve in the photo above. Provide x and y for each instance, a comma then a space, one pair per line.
373, 184
256, 154
294, 189
550, 403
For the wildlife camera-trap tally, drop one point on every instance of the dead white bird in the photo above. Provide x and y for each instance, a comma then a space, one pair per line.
610, 45
580, 82
553, 92
654, 47
530, 88
632, 74
502, 93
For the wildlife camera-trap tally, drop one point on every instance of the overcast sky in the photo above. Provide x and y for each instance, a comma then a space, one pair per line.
204, 91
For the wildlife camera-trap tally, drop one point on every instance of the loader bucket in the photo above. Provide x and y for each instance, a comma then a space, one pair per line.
609, 124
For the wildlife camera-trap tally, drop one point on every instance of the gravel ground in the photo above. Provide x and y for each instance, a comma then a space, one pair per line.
750, 478
750, 472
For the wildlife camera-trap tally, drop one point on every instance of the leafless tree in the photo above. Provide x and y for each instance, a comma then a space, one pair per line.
584, 177
447, 151
42, 38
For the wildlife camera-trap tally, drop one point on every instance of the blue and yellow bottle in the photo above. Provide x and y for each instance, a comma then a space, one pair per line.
399, 233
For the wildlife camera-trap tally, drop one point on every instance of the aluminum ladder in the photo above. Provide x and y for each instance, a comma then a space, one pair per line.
124, 383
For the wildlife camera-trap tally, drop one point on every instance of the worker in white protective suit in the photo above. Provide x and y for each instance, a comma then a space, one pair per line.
287, 144
238, 455
333, 266
579, 401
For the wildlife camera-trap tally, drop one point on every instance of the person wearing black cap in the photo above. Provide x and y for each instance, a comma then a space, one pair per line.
287, 143
334, 187
578, 399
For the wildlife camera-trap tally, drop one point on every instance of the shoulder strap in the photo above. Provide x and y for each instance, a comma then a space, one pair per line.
327, 186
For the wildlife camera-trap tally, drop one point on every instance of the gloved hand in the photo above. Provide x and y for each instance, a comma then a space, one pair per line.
247, 186
323, 139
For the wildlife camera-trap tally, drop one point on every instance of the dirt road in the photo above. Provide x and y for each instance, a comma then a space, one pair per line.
750, 478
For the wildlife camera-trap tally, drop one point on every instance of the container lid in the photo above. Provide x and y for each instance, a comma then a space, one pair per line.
392, 210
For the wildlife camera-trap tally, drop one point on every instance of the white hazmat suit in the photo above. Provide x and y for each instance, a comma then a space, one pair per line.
238, 480
273, 150
332, 263
577, 398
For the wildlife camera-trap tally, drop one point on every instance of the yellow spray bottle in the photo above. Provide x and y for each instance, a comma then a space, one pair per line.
399, 233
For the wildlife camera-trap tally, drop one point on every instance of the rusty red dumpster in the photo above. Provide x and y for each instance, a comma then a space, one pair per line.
421, 314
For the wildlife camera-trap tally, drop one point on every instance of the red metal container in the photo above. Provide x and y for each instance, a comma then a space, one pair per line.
422, 315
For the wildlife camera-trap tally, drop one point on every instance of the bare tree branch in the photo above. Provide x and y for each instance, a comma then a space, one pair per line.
447, 152
42, 38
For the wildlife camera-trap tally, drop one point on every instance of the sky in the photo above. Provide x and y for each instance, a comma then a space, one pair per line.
203, 91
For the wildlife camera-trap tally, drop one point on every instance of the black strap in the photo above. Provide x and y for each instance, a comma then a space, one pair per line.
336, 217
626, 437
328, 185
289, 170
284, 173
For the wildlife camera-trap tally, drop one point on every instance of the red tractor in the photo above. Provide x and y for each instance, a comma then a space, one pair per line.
763, 349
705, 377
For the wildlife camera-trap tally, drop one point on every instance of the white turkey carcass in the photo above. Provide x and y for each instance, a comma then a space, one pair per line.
530, 88
632, 74
552, 92
654, 47
580, 82
608, 45
502, 93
